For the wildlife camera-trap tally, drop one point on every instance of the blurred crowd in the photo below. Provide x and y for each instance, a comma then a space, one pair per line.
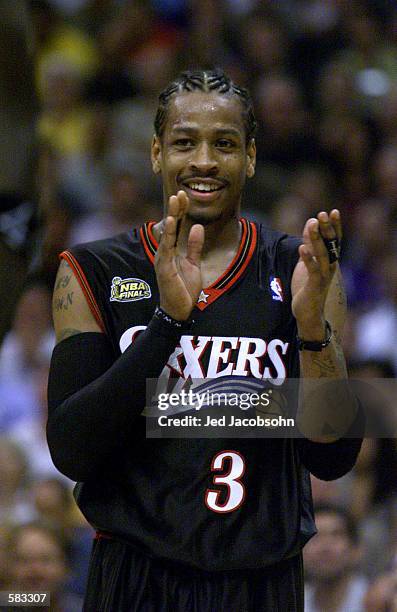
79, 81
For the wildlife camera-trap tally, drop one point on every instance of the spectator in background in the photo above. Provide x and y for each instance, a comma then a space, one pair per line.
72, 131
56, 39
264, 42
15, 502
17, 148
386, 117
286, 137
127, 207
331, 559
345, 143
384, 174
307, 186
65, 121
336, 94
370, 490
54, 504
365, 253
31, 337
382, 594
5, 532
369, 55
29, 429
130, 132
376, 330
289, 214
313, 183
38, 556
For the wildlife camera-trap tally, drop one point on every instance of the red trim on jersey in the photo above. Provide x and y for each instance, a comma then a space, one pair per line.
153, 240
237, 266
148, 241
100, 535
85, 286
233, 272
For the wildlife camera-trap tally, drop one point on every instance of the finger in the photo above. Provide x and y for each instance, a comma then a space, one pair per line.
195, 244
325, 225
318, 248
335, 219
306, 235
329, 234
183, 202
177, 204
173, 206
308, 259
166, 249
177, 207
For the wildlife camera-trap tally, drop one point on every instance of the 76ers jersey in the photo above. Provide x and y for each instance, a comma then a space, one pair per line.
216, 504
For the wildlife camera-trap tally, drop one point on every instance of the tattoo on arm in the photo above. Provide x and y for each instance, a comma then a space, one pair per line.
325, 366
63, 302
341, 298
63, 282
66, 333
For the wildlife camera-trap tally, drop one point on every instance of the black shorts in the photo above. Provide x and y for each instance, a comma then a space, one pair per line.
122, 580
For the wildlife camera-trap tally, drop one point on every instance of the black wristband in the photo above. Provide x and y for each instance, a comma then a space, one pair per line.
307, 345
165, 325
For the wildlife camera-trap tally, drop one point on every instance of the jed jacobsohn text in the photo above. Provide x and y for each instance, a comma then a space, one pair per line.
223, 421
196, 401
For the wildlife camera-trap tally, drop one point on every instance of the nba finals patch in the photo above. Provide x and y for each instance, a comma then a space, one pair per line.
276, 289
129, 290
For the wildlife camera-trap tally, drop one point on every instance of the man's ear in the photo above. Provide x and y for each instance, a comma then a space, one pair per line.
156, 155
251, 158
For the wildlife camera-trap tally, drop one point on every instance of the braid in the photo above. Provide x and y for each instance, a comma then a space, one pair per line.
206, 81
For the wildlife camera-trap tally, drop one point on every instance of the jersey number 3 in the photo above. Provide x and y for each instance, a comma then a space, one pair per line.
232, 466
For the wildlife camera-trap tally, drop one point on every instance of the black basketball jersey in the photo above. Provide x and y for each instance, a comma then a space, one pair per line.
159, 494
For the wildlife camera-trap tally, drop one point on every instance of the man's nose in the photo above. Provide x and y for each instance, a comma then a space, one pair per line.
203, 159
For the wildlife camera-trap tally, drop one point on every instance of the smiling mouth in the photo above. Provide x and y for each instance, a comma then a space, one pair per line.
203, 190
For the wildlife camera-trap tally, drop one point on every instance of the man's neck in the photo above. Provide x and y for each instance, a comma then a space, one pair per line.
220, 235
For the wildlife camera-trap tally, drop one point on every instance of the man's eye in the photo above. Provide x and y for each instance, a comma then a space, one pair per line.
224, 143
184, 142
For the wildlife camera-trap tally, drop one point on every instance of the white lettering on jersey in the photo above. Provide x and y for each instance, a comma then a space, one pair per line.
187, 359
194, 368
220, 354
235, 491
277, 362
129, 336
251, 349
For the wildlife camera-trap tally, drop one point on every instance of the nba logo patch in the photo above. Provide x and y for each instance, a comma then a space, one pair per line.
276, 289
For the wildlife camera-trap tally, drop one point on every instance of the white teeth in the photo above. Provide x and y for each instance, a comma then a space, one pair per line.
203, 187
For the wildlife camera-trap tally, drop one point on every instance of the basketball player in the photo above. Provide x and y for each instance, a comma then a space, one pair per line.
195, 524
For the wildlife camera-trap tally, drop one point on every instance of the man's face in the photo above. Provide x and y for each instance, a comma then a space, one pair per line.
331, 553
39, 564
203, 151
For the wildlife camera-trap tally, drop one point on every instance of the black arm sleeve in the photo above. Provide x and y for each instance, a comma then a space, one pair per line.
333, 460
93, 398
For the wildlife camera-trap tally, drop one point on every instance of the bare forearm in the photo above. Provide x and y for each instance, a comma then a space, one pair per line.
328, 363
327, 407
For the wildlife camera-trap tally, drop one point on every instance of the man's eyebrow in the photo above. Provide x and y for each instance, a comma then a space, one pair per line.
187, 129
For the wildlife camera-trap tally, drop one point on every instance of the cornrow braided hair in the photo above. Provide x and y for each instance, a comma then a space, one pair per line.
206, 81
